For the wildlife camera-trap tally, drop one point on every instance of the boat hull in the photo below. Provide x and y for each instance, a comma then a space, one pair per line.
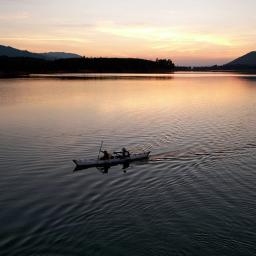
101, 163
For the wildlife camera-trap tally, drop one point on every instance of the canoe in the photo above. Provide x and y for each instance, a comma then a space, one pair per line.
86, 163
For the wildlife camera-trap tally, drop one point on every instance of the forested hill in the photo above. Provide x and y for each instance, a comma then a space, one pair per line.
98, 65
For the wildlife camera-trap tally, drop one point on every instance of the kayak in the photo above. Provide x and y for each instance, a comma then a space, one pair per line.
86, 163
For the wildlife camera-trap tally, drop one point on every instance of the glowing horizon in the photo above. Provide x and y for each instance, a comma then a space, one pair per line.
189, 32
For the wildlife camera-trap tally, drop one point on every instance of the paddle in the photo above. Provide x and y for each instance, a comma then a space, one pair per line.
100, 149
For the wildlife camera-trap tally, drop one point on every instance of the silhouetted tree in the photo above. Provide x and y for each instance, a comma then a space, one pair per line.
119, 65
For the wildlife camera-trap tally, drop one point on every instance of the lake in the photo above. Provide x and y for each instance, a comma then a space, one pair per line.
195, 195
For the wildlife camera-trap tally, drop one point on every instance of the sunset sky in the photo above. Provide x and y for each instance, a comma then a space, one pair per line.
191, 32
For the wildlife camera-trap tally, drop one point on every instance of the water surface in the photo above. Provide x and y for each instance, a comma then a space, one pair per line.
195, 196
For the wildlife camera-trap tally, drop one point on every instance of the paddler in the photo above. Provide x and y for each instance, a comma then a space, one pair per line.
125, 152
106, 155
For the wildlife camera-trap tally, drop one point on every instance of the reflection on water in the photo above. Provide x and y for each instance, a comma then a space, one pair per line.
195, 196
104, 169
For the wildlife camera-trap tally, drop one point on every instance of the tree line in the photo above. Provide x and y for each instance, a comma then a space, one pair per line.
98, 65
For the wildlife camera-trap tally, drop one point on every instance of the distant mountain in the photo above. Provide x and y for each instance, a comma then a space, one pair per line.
248, 60
60, 55
13, 52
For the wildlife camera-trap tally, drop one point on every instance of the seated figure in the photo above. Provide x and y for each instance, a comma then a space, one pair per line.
106, 155
125, 152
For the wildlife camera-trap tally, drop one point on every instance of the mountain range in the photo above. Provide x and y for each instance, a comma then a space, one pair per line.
248, 59
13, 52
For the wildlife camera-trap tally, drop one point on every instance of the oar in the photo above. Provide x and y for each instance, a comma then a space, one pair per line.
100, 149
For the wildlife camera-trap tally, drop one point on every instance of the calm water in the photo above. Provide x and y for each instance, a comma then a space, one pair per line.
195, 196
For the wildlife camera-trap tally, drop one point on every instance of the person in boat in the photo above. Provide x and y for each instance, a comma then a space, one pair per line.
125, 152
106, 155
122, 154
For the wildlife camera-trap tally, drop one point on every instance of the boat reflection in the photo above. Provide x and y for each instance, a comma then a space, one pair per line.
104, 169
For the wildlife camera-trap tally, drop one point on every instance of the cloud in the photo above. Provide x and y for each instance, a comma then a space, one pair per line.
15, 16
75, 25
164, 35
48, 39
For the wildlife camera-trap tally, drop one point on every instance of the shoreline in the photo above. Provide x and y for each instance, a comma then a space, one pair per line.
116, 75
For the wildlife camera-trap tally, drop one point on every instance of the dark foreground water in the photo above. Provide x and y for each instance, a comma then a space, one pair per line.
196, 195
